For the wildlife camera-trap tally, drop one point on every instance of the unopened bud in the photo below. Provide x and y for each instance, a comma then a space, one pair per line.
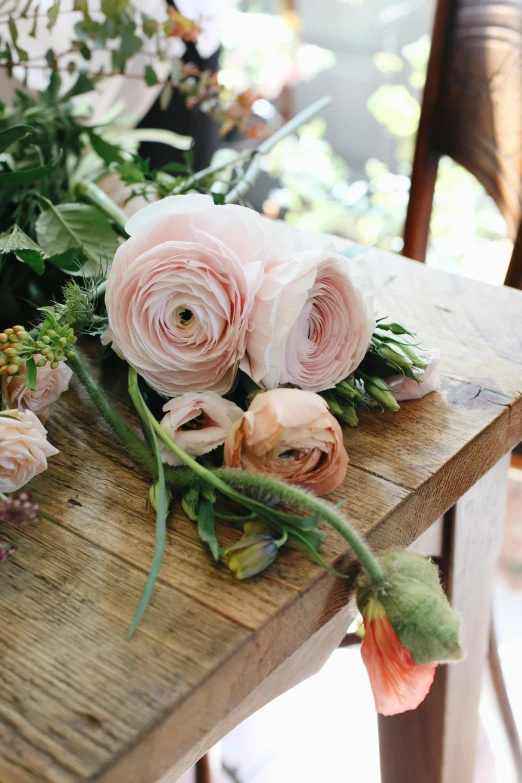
380, 391
41, 363
417, 360
154, 496
10, 352
3, 337
45, 339
349, 416
12, 369
251, 555
190, 503
71, 355
400, 359
54, 365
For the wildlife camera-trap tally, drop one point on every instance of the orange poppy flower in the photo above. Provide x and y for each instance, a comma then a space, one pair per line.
398, 683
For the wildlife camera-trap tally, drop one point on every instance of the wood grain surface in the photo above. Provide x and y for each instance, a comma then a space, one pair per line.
81, 703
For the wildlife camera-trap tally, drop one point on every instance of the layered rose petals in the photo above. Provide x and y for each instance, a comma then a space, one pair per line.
312, 319
181, 290
398, 683
198, 422
50, 384
291, 435
24, 449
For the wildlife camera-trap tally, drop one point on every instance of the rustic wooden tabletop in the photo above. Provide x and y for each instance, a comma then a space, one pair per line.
81, 703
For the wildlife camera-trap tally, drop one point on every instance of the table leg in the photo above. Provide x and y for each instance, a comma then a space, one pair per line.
437, 742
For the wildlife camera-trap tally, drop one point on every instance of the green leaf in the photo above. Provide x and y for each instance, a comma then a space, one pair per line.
130, 44
219, 198
151, 77
8, 136
14, 239
30, 374
52, 14
66, 226
114, 8
33, 258
9, 179
207, 526
84, 83
71, 260
109, 153
149, 26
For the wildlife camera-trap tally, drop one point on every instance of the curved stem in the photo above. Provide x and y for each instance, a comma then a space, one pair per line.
92, 193
295, 498
124, 433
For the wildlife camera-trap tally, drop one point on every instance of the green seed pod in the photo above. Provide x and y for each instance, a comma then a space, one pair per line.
45, 339
41, 363
71, 355
54, 365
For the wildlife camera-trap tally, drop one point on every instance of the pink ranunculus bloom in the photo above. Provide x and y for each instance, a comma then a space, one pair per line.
291, 435
181, 289
409, 389
24, 449
313, 316
49, 385
198, 422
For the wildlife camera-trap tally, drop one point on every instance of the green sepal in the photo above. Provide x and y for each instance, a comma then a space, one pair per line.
30, 374
416, 607
207, 526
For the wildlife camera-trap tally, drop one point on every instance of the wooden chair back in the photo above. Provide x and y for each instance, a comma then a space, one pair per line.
472, 111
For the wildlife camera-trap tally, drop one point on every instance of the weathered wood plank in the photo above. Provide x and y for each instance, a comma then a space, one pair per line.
79, 702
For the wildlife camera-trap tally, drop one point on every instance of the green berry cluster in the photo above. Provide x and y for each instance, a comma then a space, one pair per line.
50, 346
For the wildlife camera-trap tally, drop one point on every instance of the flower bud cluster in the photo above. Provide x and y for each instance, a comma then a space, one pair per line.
50, 346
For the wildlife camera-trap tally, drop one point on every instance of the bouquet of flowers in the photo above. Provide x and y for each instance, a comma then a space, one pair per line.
247, 345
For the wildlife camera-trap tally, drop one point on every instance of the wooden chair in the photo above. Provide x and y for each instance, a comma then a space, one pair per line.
472, 111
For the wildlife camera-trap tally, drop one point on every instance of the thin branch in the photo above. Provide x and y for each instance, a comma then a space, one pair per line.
252, 172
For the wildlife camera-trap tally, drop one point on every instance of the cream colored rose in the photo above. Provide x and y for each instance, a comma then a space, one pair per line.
290, 434
198, 423
49, 385
24, 449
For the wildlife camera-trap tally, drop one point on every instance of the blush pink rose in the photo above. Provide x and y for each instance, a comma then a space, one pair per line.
24, 449
180, 292
49, 385
291, 435
313, 316
409, 389
198, 422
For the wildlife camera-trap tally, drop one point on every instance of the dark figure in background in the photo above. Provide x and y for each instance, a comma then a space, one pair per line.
178, 118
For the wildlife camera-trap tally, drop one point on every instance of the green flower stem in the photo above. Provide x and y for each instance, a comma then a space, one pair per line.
124, 433
89, 191
295, 498
162, 505
228, 481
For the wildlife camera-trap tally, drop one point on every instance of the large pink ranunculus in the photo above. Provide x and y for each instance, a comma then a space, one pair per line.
180, 291
290, 434
24, 449
429, 379
198, 422
313, 316
49, 385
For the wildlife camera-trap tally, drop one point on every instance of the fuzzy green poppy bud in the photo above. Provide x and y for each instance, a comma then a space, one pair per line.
416, 607
190, 503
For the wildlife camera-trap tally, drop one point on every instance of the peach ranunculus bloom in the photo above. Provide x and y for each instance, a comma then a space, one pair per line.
24, 449
49, 385
180, 291
198, 422
398, 683
291, 435
409, 389
313, 315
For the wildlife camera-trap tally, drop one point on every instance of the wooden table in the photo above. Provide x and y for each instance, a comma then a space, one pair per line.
81, 703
